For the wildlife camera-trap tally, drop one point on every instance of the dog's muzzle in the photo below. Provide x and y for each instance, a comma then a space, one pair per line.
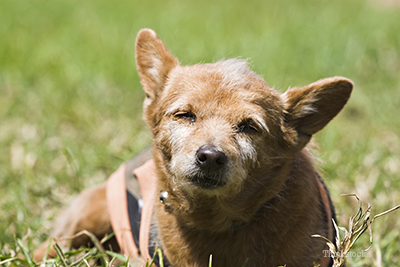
211, 163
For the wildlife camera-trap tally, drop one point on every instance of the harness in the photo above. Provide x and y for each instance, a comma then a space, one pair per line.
131, 194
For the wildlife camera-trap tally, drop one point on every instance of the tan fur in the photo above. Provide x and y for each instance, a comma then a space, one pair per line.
269, 203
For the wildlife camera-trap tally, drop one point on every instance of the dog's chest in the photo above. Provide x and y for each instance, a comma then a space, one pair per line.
252, 244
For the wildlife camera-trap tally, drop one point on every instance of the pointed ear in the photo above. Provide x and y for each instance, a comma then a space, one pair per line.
153, 61
310, 108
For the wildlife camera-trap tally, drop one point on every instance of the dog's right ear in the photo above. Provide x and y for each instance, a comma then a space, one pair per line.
154, 62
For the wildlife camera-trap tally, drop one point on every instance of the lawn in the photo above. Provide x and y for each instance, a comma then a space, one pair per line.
70, 97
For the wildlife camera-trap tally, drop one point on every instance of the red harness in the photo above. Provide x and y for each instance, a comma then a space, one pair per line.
146, 176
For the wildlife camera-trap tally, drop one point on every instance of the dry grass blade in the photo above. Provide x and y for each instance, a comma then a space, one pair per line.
86, 263
85, 254
358, 224
7, 260
92, 237
385, 212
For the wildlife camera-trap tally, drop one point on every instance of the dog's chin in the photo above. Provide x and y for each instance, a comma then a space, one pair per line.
208, 182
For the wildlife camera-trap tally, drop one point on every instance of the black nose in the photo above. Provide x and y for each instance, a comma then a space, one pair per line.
210, 159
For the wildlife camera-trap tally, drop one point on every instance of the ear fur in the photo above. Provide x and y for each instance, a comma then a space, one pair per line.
153, 61
310, 108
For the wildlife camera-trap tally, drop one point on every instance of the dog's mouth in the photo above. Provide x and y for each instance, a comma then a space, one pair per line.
208, 181
210, 165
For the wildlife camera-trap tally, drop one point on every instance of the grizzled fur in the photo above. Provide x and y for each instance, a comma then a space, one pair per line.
263, 203
232, 154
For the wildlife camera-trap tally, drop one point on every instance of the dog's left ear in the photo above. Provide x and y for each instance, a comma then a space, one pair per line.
153, 61
310, 108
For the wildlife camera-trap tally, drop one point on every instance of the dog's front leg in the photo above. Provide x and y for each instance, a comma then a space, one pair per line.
87, 212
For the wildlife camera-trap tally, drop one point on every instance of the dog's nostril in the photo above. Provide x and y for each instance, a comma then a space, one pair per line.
201, 157
210, 159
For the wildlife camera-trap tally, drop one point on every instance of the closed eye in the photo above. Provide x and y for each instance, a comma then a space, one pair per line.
248, 127
185, 115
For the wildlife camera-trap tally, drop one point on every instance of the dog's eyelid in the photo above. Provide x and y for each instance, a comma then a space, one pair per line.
249, 126
186, 115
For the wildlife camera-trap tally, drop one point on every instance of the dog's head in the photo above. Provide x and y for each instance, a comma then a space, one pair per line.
219, 128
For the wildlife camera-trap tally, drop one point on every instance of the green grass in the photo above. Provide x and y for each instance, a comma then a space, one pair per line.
70, 98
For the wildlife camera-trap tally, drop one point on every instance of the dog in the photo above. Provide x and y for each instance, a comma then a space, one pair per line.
230, 158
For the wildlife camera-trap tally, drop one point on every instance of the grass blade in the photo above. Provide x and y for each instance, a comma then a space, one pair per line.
25, 252
60, 254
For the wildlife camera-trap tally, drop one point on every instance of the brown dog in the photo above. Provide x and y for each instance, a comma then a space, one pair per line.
230, 153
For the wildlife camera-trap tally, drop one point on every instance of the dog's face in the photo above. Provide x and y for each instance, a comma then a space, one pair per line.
214, 124
220, 129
